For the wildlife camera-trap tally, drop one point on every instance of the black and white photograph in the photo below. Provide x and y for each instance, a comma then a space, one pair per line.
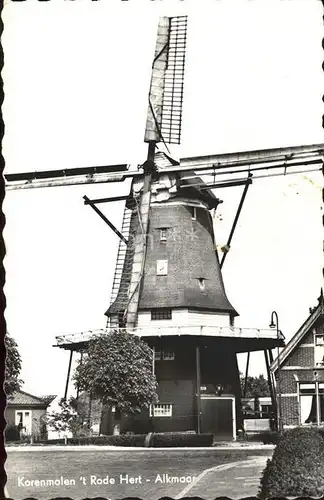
164, 248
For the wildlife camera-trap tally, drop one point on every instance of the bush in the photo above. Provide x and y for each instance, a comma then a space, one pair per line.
12, 433
297, 465
181, 439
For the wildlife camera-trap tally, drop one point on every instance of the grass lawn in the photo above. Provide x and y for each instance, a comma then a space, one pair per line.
145, 470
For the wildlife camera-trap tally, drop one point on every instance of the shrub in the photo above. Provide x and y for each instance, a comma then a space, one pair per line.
297, 465
12, 433
181, 439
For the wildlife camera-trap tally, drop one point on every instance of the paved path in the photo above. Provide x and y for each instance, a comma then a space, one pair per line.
234, 480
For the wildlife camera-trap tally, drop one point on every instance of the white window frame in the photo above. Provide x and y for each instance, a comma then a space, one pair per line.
26, 420
168, 355
157, 355
318, 336
163, 234
161, 410
161, 267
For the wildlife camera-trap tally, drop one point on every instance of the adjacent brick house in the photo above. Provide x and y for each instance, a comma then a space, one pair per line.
301, 372
27, 411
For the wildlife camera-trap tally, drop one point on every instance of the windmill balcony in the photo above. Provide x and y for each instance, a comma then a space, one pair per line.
247, 338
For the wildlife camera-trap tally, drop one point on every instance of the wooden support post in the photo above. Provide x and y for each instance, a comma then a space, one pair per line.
198, 383
68, 375
246, 373
271, 386
89, 410
270, 356
78, 388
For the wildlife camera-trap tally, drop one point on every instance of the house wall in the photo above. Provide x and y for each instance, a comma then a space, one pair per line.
38, 430
300, 366
177, 384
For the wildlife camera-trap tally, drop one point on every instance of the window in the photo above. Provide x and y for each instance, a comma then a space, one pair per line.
161, 267
164, 355
163, 235
308, 402
193, 211
161, 410
157, 355
23, 421
201, 282
159, 314
168, 355
319, 339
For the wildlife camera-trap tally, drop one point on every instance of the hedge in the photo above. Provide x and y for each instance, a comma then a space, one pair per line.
121, 440
297, 465
179, 439
266, 437
12, 433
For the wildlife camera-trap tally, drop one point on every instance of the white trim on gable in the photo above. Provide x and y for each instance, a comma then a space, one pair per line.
296, 339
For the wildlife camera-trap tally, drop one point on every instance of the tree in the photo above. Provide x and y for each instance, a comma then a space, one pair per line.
117, 370
256, 387
13, 367
66, 419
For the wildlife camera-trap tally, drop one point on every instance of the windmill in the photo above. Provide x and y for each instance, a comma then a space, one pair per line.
168, 286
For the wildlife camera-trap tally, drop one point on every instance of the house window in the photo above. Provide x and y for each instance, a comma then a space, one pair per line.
161, 410
160, 314
319, 339
23, 421
164, 355
168, 355
163, 235
308, 402
157, 355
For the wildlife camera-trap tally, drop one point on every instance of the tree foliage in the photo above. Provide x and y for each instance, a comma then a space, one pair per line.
255, 386
13, 367
67, 419
117, 370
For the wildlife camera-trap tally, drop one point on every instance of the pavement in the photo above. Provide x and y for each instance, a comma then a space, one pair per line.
234, 480
153, 472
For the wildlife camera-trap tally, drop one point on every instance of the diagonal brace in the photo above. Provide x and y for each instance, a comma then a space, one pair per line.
247, 184
104, 218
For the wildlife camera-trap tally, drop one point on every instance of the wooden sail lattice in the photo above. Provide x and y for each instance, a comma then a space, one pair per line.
174, 81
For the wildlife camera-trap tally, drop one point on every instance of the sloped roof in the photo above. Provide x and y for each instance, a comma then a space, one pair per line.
24, 398
315, 313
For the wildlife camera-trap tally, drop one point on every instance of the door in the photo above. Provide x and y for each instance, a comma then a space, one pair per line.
218, 417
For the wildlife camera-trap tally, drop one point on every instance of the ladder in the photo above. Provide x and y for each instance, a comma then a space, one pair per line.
121, 254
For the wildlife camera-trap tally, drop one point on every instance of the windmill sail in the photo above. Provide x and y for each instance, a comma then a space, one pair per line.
166, 89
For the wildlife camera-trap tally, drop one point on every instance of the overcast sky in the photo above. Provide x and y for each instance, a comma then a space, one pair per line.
76, 83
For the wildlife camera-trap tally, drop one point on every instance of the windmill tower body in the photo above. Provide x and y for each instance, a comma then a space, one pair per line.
181, 291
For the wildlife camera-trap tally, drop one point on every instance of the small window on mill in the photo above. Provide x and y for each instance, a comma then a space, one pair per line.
201, 282
193, 211
163, 235
160, 314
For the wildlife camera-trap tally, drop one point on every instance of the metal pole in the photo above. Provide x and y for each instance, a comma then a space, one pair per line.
198, 389
318, 409
68, 375
272, 325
